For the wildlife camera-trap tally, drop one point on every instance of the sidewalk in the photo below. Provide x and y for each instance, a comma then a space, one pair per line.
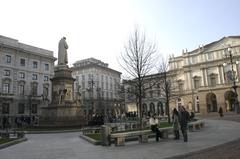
70, 146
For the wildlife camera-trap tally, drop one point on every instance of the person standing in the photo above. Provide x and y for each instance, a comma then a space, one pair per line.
175, 118
184, 118
220, 111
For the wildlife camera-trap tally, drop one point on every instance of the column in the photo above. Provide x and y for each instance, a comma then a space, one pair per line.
220, 74
204, 77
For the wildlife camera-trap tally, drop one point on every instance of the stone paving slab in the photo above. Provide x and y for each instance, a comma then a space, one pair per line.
70, 146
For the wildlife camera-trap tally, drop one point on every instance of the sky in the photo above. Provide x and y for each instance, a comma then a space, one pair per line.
101, 28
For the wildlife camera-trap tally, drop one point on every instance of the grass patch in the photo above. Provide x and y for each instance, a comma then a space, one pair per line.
165, 124
5, 140
95, 136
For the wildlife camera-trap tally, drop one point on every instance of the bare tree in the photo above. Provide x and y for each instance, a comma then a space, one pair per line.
138, 61
167, 85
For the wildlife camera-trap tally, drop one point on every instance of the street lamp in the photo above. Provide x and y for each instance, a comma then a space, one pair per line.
92, 83
228, 53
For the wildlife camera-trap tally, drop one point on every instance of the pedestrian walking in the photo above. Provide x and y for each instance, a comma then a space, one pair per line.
175, 118
184, 118
220, 111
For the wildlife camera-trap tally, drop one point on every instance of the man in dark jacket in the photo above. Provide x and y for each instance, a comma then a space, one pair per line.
184, 118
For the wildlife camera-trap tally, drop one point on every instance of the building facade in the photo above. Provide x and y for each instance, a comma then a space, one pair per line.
205, 76
25, 73
98, 86
153, 96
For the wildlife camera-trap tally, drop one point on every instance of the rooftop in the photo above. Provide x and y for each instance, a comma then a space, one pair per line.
90, 61
16, 44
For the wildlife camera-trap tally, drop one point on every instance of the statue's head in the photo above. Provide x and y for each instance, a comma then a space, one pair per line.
64, 38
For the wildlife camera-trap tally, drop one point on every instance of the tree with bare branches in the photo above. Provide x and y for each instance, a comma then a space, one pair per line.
167, 85
138, 60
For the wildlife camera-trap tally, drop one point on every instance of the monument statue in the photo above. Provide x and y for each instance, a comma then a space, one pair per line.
62, 52
64, 110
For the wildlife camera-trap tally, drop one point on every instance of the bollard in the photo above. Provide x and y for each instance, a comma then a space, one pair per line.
105, 133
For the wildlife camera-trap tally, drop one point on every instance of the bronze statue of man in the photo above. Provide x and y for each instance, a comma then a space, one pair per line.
62, 52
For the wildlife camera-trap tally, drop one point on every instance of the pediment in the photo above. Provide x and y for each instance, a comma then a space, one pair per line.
223, 43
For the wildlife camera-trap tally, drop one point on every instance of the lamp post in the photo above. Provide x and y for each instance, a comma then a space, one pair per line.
91, 83
228, 53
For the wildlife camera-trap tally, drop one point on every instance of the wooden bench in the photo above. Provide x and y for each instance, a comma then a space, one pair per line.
196, 125
142, 135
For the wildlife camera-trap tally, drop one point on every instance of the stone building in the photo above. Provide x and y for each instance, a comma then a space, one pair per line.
204, 76
25, 73
153, 98
99, 87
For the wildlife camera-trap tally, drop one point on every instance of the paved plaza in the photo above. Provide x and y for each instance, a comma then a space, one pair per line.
70, 146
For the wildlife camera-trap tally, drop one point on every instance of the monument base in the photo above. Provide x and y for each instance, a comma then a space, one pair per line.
61, 116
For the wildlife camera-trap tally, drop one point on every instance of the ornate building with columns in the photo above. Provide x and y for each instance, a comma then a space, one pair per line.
204, 76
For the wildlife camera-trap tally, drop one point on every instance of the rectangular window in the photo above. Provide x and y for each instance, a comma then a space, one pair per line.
22, 62
196, 83
8, 59
34, 108
210, 56
35, 64
107, 85
45, 92
34, 77
5, 108
21, 108
83, 77
22, 75
213, 81
46, 67
34, 89
21, 89
6, 87
151, 94
107, 95
180, 87
111, 95
46, 78
83, 85
102, 85
6, 73
159, 93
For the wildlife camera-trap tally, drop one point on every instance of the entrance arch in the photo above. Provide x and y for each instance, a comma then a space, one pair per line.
145, 109
211, 101
160, 109
229, 100
152, 108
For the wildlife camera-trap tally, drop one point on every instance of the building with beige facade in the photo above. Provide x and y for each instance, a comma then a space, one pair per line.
204, 76
25, 73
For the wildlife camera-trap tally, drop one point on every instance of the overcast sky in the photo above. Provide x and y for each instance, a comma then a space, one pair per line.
99, 28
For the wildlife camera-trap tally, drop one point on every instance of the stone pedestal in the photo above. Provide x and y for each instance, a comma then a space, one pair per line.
64, 110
